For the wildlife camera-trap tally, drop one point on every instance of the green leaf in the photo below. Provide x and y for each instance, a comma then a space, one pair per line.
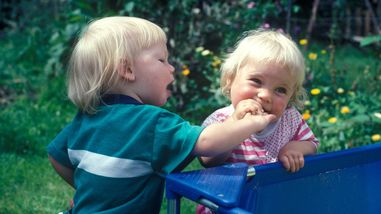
129, 7
376, 119
362, 118
370, 40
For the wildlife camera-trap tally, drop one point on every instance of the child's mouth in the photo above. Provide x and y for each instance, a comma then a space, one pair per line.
266, 111
171, 87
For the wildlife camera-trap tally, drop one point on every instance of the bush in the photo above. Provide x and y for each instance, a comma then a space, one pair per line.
344, 107
35, 50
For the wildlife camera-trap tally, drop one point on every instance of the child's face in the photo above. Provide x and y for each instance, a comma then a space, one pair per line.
269, 84
153, 75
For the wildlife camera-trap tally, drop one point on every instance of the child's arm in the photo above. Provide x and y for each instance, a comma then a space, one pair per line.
220, 138
292, 154
65, 172
215, 160
242, 108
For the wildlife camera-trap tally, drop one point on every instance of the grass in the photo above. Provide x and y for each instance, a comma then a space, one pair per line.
30, 185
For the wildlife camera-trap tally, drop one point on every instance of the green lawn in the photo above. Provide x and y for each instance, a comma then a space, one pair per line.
30, 185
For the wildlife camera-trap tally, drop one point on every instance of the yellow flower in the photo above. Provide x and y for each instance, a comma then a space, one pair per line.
216, 62
323, 51
307, 103
351, 93
306, 115
186, 71
312, 56
345, 110
303, 42
315, 91
376, 137
340, 90
205, 52
332, 120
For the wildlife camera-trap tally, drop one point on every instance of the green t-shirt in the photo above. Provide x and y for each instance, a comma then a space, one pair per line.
120, 154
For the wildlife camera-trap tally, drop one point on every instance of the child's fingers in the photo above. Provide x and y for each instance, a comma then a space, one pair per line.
269, 117
285, 162
293, 162
301, 162
293, 165
248, 115
247, 106
252, 106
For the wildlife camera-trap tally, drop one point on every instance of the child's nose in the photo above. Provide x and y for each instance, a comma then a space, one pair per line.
265, 95
171, 68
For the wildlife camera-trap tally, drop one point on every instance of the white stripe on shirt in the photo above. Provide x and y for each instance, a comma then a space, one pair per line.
252, 148
108, 166
247, 157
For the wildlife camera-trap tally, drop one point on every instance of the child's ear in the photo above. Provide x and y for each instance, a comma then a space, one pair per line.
228, 86
125, 71
228, 83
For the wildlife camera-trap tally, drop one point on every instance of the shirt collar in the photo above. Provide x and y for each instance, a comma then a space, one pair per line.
112, 99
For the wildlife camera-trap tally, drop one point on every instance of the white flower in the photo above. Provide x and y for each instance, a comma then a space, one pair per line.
378, 115
199, 49
205, 52
196, 11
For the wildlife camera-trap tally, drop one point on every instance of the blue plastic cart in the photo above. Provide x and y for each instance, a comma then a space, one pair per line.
347, 182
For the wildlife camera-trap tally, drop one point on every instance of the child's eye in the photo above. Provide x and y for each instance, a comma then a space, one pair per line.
162, 60
257, 81
281, 90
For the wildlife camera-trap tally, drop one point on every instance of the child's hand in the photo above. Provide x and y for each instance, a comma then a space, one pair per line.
291, 158
252, 110
260, 121
247, 106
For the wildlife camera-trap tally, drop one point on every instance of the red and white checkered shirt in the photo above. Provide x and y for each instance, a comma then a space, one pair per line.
264, 147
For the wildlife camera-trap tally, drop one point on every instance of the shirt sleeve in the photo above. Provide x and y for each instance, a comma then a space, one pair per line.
304, 132
174, 141
58, 147
218, 116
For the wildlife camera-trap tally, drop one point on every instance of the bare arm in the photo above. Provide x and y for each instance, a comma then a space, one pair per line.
292, 154
220, 138
244, 107
65, 172
215, 160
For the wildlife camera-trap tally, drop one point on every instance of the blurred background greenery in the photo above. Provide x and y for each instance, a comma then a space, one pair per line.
340, 41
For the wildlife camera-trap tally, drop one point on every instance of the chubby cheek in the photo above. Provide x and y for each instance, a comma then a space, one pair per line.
242, 93
279, 107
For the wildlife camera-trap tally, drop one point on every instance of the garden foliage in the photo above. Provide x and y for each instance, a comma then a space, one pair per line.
37, 36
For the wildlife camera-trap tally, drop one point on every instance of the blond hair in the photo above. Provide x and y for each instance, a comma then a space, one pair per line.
266, 46
102, 46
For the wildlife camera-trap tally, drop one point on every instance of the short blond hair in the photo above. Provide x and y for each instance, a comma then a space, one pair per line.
266, 46
102, 46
